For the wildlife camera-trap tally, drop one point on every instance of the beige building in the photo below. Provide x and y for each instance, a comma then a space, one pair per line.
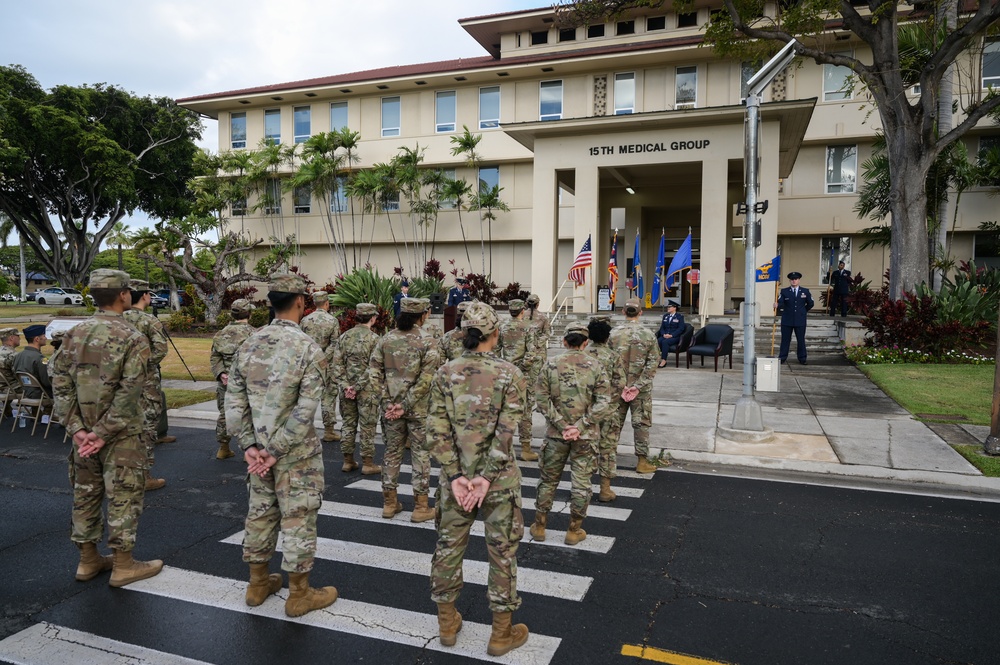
630, 126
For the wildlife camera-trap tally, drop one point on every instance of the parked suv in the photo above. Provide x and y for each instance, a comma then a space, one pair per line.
59, 296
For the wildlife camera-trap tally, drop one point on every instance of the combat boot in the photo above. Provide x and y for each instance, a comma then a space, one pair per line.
262, 584
349, 463
644, 466
449, 624
390, 504
225, 452
538, 528
330, 435
575, 534
92, 563
505, 637
154, 483
127, 570
421, 511
369, 467
606, 493
166, 439
526, 453
303, 598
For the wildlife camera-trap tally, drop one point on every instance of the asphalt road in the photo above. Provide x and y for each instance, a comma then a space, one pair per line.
723, 569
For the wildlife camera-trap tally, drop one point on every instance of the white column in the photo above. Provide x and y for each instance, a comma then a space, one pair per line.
714, 236
544, 234
587, 223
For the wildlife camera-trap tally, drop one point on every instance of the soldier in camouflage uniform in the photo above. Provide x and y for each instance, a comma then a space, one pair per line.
97, 381
519, 345
324, 328
402, 365
10, 339
225, 344
358, 400
574, 394
640, 356
543, 329
276, 383
451, 342
426, 327
476, 404
151, 402
600, 329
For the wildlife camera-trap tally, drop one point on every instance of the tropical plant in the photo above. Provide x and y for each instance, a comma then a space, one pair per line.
120, 237
363, 285
424, 287
487, 202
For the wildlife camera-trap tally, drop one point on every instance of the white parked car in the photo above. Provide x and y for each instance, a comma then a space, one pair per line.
59, 296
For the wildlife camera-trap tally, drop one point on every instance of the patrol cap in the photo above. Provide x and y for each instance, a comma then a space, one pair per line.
462, 306
283, 282
241, 306
633, 305
794, 275
106, 278
139, 285
413, 305
576, 328
601, 318
34, 331
319, 295
366, 309
57, 336
7, 332
533, 300
516, 305
482, 317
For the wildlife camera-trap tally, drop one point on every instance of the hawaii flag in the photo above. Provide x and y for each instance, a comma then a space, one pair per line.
613, 268
584, 260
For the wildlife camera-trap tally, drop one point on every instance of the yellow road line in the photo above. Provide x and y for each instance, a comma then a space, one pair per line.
662, 656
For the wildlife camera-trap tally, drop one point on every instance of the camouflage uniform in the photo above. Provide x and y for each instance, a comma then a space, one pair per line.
351, 364
402, 365
572, 389
543, 329
610, 427
640, 357
475, 406
451, 341
7, 354
97, 381
275, 386
225, 344
324, 328
152, 396
519, 346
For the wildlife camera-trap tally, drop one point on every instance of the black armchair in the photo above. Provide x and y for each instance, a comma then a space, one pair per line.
683, 345
715, 339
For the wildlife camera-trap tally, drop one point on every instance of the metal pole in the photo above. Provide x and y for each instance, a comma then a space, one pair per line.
992, 444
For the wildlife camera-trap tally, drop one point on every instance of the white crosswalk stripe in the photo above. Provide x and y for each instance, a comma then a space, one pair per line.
620, 473
529, 580
47, 643
345, 616
600, 512
624, 492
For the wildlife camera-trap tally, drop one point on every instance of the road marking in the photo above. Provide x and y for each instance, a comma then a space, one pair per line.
627, 492
344, 616
593, 543
599, 512
620, 473
47, 643
662, 656
529, 580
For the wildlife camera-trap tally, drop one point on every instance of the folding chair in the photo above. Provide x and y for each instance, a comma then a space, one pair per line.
39, 406
8, 391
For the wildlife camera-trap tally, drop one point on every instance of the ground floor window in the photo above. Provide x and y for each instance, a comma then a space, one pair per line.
833, 250
303, 203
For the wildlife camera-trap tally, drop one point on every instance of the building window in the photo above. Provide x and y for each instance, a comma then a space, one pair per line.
338, 116
835, 78
841, 168
656, 23
567, 35
444, 111
687, 20
833, 250
338, 202
595, 31
303, 124
302, 198
272, 126
489, 107
747, 70
991, 64
390, 116
625, 28
239, 207
448, 175
489, 177
272, 197
539, 38
686, 88
625, 93
988, 143
391, 202
238, 130
550, 100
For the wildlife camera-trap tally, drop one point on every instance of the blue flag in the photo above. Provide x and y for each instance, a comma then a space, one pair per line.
681, 261
771, 271
637, 272
660, 261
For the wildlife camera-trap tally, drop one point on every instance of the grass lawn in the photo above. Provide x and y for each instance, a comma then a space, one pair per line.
176, 397
196, 352
947, 390
35, 311
990, 466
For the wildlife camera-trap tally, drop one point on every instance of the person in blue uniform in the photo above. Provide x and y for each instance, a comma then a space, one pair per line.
458, 293
794, 302
840, 280
669, 334
404, 288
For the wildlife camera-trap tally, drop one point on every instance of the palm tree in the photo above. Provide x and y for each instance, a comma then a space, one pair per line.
458, 190
349, 143
121, 237
486, 201
319, 172
467, 144
408, 181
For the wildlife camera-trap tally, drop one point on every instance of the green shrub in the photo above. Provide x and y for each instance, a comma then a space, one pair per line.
179, 322
424, 287
223, 320
259, 316
364, 285
65, 312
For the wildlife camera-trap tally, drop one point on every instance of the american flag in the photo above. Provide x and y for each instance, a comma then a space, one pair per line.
613, 268
584, 260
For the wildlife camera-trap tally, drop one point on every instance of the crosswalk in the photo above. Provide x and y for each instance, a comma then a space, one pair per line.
361, 545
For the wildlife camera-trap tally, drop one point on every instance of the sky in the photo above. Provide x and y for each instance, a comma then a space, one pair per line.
183, 48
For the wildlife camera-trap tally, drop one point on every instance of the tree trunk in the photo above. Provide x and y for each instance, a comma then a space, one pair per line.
908, 170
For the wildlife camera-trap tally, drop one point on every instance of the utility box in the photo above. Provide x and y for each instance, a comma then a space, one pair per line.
768, 375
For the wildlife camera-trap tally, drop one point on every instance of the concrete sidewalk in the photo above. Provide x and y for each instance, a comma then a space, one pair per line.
828, 419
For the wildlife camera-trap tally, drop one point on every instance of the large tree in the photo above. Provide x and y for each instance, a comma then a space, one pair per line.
909, 123
75, 160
